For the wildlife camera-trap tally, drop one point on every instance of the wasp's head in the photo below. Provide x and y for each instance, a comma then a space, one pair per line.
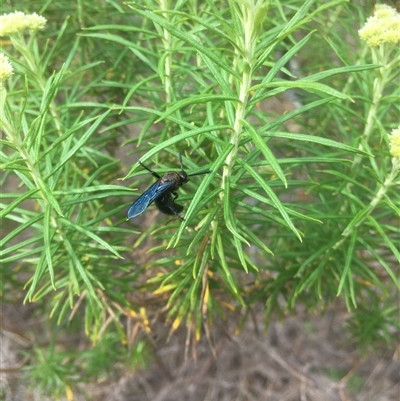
183, 177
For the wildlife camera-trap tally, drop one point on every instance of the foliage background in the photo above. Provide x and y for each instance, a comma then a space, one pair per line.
107, 83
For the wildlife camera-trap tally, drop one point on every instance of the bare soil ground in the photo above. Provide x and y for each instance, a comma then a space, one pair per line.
303, 358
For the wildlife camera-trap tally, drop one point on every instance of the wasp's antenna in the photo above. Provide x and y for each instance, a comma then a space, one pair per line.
180, 159
191, 175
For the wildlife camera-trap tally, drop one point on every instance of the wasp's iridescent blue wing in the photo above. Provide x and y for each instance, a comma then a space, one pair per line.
148, 197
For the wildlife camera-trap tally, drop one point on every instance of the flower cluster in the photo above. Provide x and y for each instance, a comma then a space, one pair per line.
395, 143
6, 69
13, 23
382, 27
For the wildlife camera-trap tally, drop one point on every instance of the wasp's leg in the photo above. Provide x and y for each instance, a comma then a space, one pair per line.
153, 173
166, 204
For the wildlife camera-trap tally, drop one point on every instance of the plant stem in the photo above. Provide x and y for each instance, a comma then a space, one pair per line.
381, 192
168, 56
380, 56
248, 46
20, 44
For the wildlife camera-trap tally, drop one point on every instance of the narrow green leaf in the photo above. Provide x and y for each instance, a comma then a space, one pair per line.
195, 99
182, 285
38, 274
31, 136
266, 151
291, 212
357, 219
57, 42
341, 70
77, 126
119, 28
180, 122
198, 276
291, 114
228, 215
389, 243
19, 246
91, 235
346, 274
313, 278
393, 206
315, 139
256, 240
138, 51
299, 18
276, 202
135, 87
48, 233
73, 74
4, 142
50, 90
215, 232
76, 263
346, 178
239, 249
21, 197
23, 255
215, 72
313, 159
199, 194
110, 190
226, 270
184, 36
48, 196
81, 141
302, 84
20, 229
205, 225
279, 64
109, 37
176, 139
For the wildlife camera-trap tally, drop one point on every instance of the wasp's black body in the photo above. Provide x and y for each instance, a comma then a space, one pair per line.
163, 192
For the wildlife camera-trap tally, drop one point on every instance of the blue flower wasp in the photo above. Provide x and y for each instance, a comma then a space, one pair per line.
163, 192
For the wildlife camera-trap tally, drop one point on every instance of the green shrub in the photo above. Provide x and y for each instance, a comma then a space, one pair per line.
300, 206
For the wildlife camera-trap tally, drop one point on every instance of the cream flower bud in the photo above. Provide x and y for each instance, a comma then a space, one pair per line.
394, 139
13, 23
382, 27
34, 22
6, 69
